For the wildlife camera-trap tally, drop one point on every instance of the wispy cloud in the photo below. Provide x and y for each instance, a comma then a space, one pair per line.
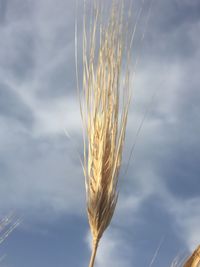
41, 174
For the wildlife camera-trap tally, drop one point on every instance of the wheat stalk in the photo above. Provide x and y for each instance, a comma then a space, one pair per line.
104, 117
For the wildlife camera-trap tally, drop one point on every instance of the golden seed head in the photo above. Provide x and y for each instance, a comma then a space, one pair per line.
104, 119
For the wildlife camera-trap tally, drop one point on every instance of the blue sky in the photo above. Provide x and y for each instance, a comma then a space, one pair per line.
41, 179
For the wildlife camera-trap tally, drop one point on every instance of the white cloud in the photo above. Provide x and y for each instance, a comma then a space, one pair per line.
113, 250
186, 214
44, 175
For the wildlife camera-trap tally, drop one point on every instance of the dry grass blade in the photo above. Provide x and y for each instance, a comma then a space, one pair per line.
104, 117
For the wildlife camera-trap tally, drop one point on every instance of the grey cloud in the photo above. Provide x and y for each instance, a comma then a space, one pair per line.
167, 34
59, 81
155, 225
16, 10
180, 165
41, 175
55, 49
13, 107
17, 52
190, 9
3, 8
52, 250
142, 232
169, 16
181, 172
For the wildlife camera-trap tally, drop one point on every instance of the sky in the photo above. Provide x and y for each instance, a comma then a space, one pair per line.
41, 180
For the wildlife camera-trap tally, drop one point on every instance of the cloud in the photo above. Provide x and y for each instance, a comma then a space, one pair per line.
3, 7
110, 252
187, 217
41, 175
13, 107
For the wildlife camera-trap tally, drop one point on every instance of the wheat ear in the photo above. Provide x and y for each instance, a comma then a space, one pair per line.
194, 260
104, 117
